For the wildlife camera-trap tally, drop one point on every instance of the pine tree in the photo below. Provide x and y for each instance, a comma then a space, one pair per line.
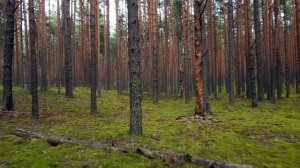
199, 108
34, 82
135, 86
94, 58
258, 50
230, 52
67, 48
8, 56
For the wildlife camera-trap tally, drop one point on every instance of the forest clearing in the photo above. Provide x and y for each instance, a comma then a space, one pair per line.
150, 83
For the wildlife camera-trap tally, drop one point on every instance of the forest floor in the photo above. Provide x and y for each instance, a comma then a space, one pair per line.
267, 136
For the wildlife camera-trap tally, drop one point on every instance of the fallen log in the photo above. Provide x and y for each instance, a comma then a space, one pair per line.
168, 157
54, 141
175, 158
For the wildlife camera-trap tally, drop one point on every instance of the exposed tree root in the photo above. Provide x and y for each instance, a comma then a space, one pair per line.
168, 157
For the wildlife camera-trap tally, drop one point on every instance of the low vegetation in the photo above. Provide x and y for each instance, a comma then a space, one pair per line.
267, 136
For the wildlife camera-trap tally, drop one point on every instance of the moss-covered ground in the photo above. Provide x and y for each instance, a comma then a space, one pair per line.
267, 136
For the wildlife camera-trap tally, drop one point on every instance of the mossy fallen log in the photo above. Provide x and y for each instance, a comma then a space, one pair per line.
173, 158
54, 141
168, 157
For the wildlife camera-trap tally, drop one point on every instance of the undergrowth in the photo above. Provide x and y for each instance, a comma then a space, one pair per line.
267, 136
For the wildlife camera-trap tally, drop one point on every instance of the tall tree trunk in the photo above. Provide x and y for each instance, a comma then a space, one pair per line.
248, 31
258, 49
118, 47
187, 59
211, 40
42, 45
17, 47
230, 53
135, 86
249, 53
205, 60
239, 50
167, 61
271, 55
298, 39
34, 82
107, 49
8, 56
277, 59
154, 49
67, 48
27, 57
286, 53
199, 108
58, 48
94, 58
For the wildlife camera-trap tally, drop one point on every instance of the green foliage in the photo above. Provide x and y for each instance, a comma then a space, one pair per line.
267, 136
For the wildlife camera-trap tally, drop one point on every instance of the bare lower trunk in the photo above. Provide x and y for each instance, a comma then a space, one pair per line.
135, 86
8, 56
34, 82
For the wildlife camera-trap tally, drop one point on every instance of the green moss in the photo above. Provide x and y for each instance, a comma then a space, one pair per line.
267, 136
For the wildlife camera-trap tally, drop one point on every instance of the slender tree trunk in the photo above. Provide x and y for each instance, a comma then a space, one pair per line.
187, 59
167, 61
205, 60
8, 56
22, 47
286, 53
249, 53
298, 39
34, 82
230, 53
135, 85
58, 48
107, 49
42, 45
67, 48
117, 47
211, 40
27, 57
154, 50
239, 50
258, 49
94, 58
17, 47
277, 59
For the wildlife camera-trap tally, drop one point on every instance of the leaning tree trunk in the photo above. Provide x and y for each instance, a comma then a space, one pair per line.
230, 53
67, 48
135, 86
94, 58
34, 83
8, 56
199, 109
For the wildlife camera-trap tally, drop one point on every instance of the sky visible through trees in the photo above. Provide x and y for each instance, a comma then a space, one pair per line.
159, 68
